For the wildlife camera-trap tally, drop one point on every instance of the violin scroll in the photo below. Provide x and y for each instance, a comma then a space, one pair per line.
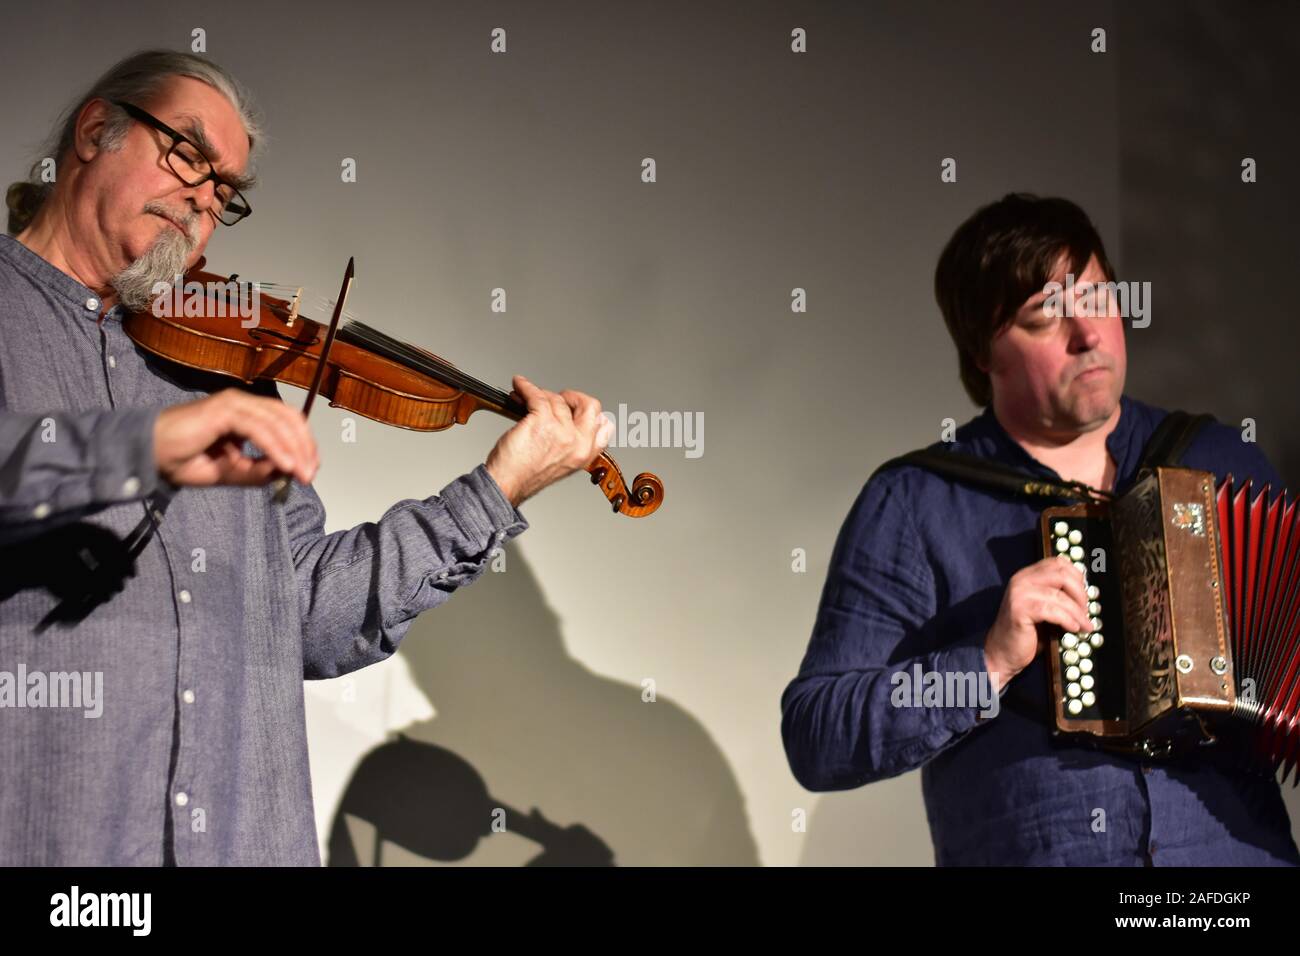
645, 496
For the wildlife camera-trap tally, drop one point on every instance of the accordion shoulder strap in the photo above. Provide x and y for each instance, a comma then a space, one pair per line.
1169, 441
1164, 448
986, 473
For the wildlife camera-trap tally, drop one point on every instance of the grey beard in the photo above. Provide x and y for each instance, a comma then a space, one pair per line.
162, 262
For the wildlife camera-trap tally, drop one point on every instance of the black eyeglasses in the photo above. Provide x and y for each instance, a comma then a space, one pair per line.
192, 168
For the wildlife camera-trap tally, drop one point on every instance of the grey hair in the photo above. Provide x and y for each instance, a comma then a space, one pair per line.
135, 79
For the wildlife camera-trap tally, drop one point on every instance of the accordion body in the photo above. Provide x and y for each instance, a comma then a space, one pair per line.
1194, 593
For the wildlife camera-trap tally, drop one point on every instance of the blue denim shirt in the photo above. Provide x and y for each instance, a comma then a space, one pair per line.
199, 750
917, 578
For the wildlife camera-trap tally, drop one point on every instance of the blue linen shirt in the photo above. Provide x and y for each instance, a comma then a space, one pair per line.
917, 577
199, 755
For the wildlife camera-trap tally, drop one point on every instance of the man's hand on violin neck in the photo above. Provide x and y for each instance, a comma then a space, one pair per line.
562, 433
202, 442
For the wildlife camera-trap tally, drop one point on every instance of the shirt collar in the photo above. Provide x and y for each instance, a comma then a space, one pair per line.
51, 277
987, 438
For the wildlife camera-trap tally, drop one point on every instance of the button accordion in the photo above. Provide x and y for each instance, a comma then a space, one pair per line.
1194, 597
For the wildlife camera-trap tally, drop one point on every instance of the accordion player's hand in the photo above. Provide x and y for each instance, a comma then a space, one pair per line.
1050, 591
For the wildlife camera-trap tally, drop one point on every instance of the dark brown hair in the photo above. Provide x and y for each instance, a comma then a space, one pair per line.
999, 257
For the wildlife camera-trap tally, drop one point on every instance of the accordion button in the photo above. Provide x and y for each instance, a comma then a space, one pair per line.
1080, 567
1094, 607
1094, 592
1074, 707
1076, 536
1088, 698
1070, 657
1076, 553
1096, 623
1086, 681
1060, 528
1069, 640
1062, 545
1084, 649
1072, 689
1072, 673
1096, 640
1085, 666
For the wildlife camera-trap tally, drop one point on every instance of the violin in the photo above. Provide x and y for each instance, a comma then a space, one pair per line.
364, 370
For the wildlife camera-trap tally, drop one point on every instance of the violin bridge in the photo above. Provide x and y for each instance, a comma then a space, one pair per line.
293, 307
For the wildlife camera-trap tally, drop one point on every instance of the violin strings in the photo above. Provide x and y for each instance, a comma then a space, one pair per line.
361, 334
398, 351
411, 357
321, 303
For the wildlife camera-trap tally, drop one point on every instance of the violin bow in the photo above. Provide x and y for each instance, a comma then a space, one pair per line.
282, 483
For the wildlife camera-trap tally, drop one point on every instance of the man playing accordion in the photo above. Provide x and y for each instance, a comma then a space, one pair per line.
933, 575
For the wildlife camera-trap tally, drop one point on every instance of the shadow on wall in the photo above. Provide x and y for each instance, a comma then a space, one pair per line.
578, 767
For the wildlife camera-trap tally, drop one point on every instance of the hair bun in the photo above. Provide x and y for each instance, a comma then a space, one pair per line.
24, 200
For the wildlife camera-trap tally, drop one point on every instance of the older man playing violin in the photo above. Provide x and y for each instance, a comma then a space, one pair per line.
158, 612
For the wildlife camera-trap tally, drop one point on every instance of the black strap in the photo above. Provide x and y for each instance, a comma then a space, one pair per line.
1164, 448
1169, 441
990, 474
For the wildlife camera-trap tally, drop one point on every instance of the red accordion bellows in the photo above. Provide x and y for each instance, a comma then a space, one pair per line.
1259, 547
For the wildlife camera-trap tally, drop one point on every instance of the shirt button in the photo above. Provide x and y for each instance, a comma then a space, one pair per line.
182, 798
112, 361
92, 304
188, 696
184, 596
40, 511
131, 485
